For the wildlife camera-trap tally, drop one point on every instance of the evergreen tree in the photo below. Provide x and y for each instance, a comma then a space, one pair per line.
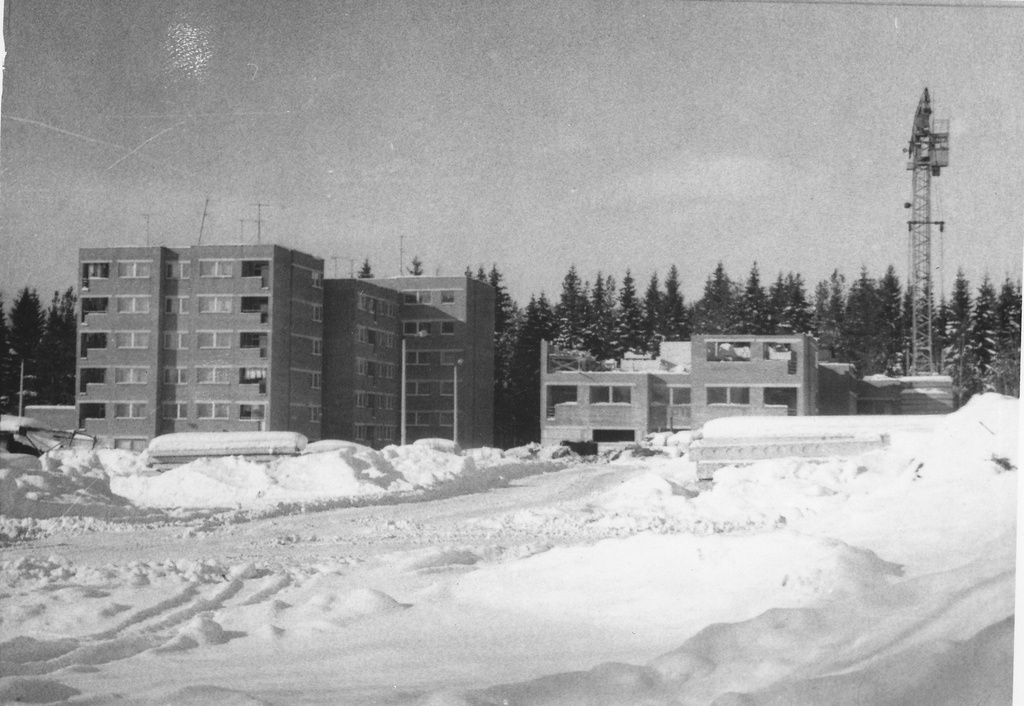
628, 335
829, 314
601, 319
481, 275
797, 316
861, 344
417, 267
57, 351
653, 316
957, 358
675, 318
984, 334
506, 332
1006, 368
890, 324
365, 272
753, 313
537, 324
25, 336
778, 302
570, 313
715, 312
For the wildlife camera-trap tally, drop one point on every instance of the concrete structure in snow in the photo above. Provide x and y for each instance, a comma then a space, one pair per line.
251, 337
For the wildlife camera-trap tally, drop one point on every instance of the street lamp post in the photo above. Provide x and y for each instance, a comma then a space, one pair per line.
419, 334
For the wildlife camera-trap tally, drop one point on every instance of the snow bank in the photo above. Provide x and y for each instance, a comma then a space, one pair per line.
227, 443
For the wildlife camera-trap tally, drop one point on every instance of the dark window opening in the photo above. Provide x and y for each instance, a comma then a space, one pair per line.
257, 268
92, 410
93, 340
728, 351
94, 270
613, 435
94, 305
781, 397
257, 305
91, 376
680, 395
249, 339
253, 376
560, 394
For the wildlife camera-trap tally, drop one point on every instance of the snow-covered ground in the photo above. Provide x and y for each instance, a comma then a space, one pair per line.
419, 576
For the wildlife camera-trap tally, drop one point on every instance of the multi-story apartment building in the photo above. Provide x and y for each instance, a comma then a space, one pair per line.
362, 362
205, 338
251, 337
691, 383
448, 369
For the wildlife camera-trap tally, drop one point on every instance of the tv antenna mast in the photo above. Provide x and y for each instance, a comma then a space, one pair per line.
929, 153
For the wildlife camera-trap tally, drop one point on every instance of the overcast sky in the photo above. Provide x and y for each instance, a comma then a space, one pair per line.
534, 135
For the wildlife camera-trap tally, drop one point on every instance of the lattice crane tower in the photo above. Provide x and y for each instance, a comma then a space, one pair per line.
929, 153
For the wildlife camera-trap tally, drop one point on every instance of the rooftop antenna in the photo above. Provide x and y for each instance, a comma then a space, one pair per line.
401, 254
203, 222
147, 216
259, 220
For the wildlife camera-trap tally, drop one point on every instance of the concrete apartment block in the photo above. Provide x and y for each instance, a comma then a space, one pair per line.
202, 338
448, 328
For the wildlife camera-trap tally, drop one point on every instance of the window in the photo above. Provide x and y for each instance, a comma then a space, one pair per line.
175, 410
447, 328
212, 410
612, 436
175, 376
415, 328
315, 381
252, 411
451, 357
91, 376
318, 346
315, 413
414, 297
361, 432
448, 296
216, 268
93, 410
212, 304
781, 397
131, 339
417, 388
94, 270
253, 376
175, 340
563, 394
213, 375
129, 410
778, 351
255, 268
134, 269
318, 312
130, 444
679, 395
94, 305
131, 376
417, 419
256, 305
179, 270
133, 305
421, 357
728, 395
93, 340
176, 305
318, 280
253, 339
611, 394
362, 399
724, 351
445, 419
214, 339
447, 388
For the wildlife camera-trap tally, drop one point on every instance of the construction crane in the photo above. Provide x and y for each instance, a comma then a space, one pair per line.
929, 153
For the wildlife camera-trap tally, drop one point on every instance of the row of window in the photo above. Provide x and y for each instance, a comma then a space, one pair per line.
207, 410
375, 306
375, 337
204, 375
375, 369
375, 432
205, 304
443, 296
424, 388
415, 418
676, 396
426, 328
182, 269
179, 340
375, 400
434, 357
743, 351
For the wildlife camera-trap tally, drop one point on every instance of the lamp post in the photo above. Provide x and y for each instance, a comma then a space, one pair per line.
455, 400
419, 334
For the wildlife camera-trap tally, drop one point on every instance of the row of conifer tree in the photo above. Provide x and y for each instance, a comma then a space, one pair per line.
866, 322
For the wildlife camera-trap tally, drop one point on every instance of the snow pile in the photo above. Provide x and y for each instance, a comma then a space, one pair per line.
222, 443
